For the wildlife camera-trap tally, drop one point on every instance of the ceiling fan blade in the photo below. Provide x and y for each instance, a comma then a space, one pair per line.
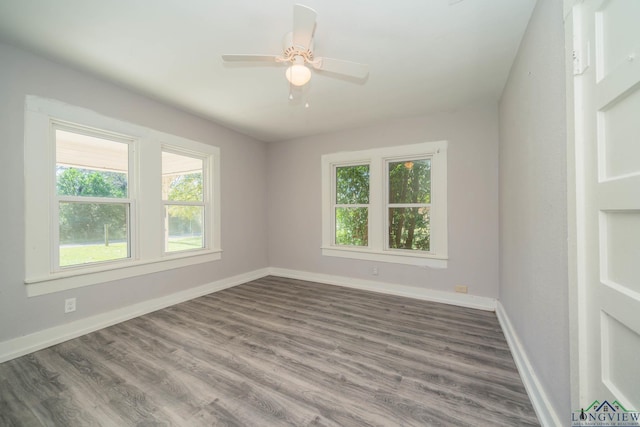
304, 24
339, 66
246, 58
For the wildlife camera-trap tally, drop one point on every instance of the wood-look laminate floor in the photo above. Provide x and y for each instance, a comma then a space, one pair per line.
276, 352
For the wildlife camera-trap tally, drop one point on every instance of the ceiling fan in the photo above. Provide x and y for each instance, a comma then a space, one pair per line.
298, 52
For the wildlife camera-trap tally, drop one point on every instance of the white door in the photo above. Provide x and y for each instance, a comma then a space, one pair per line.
607, 135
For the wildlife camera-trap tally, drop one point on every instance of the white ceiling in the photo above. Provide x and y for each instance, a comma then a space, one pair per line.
423, 55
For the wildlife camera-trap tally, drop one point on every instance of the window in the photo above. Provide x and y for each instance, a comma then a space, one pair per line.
92, 197
408, 204
105, 199
183, 200
387, 204
352, 205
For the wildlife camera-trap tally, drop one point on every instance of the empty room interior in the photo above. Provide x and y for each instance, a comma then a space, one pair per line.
321, 213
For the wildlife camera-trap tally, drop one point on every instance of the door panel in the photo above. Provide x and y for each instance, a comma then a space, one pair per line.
620, 370
621, 239
618, 123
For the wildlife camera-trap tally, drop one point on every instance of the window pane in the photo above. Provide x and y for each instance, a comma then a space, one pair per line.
181, 177
90, 166
409, 228
93, 232
352, 226
183, 228
352, 185
410, 181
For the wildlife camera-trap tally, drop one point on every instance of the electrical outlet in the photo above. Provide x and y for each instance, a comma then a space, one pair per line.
69, 305
374, 271
461, 289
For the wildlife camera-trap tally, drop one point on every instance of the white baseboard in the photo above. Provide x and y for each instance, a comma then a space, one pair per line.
26, 344
539, 399
463, 300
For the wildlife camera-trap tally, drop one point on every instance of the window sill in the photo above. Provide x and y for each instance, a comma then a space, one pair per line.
391, 257
76, 278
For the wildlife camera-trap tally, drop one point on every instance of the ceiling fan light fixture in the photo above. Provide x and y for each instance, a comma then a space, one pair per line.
298, 54
298, 75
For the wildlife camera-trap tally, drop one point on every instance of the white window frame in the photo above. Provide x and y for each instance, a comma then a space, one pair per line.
335, 205
146, 216
205, 203
378, 249
129, 200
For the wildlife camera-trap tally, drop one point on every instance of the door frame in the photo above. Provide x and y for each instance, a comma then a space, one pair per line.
575, 218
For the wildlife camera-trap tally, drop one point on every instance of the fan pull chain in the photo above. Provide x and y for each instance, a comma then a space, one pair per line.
304, 95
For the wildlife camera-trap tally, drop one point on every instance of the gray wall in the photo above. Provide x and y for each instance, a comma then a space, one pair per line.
243, 179
295, 199
533, 201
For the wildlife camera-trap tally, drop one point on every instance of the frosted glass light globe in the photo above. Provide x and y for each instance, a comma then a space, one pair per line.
298, 75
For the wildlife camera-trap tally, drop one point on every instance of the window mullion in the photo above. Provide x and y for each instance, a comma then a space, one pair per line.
364, 205
185, 203
376, 199
85, 199
409, 205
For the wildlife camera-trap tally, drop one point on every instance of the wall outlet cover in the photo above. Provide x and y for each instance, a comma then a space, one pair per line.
69, 305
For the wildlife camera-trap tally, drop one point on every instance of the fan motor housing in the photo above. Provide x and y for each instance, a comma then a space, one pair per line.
291, 51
